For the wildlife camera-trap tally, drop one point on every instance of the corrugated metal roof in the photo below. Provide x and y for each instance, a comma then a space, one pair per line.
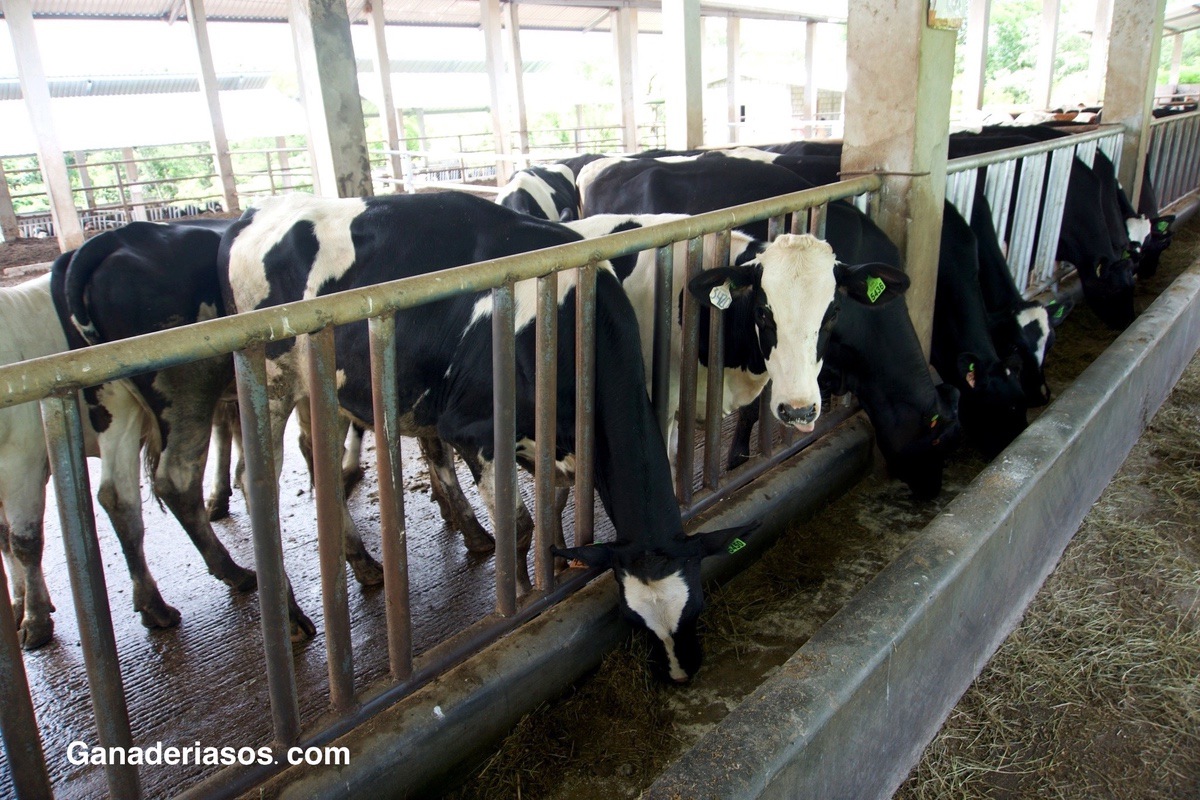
577, 15
10, 88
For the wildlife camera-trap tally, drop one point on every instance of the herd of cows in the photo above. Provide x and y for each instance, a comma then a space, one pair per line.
803, 318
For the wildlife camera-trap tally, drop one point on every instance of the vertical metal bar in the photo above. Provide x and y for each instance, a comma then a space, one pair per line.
331, 502
545, 427
1054, 201
819, 215
585, 403
766, 424
504, 464
714, 401
262, 497
390, 466
68, 466
18, 725
1020, 249
800, 221
1152, 158
664, 268
686, 455
775, 227
1176, 155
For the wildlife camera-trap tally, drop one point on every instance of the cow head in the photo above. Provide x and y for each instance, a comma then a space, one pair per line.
1154, 245
874, 352
1108, 288
661, 592
788, 295
1034, 325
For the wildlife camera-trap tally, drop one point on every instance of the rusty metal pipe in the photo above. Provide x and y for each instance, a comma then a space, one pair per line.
546, 519
685, 458
504, 463
664, 301
714, 400
585, 404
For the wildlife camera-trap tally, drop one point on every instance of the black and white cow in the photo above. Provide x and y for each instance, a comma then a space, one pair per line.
915, 424
545, 192
139, 279
297, 247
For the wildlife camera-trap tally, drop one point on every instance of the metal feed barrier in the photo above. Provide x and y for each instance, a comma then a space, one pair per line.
1029, 225
55, 380
1174, 158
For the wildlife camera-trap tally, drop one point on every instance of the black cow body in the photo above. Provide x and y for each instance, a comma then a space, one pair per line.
298, 247
916, 425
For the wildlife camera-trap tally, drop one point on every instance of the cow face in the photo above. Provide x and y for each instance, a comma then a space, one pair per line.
1035, 324
660, 591
791, 292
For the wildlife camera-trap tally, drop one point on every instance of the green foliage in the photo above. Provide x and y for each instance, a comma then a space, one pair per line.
1012, 54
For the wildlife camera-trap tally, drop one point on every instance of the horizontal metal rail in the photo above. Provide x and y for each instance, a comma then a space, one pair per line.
1173, 160
37, 378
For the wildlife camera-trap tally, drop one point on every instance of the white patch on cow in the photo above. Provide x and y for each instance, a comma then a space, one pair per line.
799, 284
659, 604
1040, 317
206, 311
751, 154
331, 218
590, 172
525, 298
1138, 229
537, 188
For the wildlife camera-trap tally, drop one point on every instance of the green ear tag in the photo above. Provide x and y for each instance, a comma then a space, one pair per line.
875, 287
1059, 312
735, 545
1162, 226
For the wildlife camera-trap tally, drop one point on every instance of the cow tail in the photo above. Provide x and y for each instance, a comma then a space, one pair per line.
83, 265
152, 447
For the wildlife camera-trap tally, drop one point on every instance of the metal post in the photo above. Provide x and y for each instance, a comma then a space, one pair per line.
545, 425
393, 125
585, 404
331, 505
504, 463
975, 62
389, 465
18, 725
85, 179
493, 50
512, 22
683, 90
733, 44
625, 30
262, 498
686, 455
664, 302
212, 98
9, 227
715, 396
64, 442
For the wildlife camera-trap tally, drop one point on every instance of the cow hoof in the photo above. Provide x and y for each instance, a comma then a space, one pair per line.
368, 572
162, 616
736, 459
478, 540
218, 508
302, 628
35, 633
351, 478
241, 579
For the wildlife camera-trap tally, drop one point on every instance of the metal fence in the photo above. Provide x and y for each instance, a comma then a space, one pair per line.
1173, 160
53, 381
1026, 188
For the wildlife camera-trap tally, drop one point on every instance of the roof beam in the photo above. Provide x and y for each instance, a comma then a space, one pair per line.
706, 9
212, 99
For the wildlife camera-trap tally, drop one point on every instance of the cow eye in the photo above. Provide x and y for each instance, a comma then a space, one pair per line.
763, 316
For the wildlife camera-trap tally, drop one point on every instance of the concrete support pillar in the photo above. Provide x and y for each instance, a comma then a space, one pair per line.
329, 85
393, 124
493, 52
1176, 60
733, 43
811, 91
285, 166
85, 179
1043, 80
36, 91
905, 141
683, 91
625, 32
9, 228
975, 61
1133, 50
516, 73
209, 86
137, 194
1098, 59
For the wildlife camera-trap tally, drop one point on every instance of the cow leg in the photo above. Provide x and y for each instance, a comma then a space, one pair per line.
120, 495
22, 505
524, 522
367, 571
179, 483
739, 448
561, 495
225, 427
281, 408
446, 490
352, 470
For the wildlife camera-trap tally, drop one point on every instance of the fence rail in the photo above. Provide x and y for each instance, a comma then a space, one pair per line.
1173, 161
55, 379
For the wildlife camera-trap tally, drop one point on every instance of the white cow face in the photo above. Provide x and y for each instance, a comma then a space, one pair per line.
661, 591
786, 298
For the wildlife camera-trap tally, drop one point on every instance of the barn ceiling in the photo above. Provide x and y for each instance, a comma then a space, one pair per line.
572, 15
1181, 18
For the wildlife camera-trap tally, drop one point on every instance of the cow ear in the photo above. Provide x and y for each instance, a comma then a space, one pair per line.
726, 540
1057, 311
966, 368
872, 284
1162, 225
596, 555
707, 286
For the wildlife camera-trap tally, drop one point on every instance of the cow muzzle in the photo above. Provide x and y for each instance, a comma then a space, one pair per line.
802, 419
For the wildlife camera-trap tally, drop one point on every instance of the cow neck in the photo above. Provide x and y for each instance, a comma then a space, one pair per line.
633, 475
742, 351
877, 347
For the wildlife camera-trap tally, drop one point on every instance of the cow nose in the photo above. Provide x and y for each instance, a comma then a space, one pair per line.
804, 416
